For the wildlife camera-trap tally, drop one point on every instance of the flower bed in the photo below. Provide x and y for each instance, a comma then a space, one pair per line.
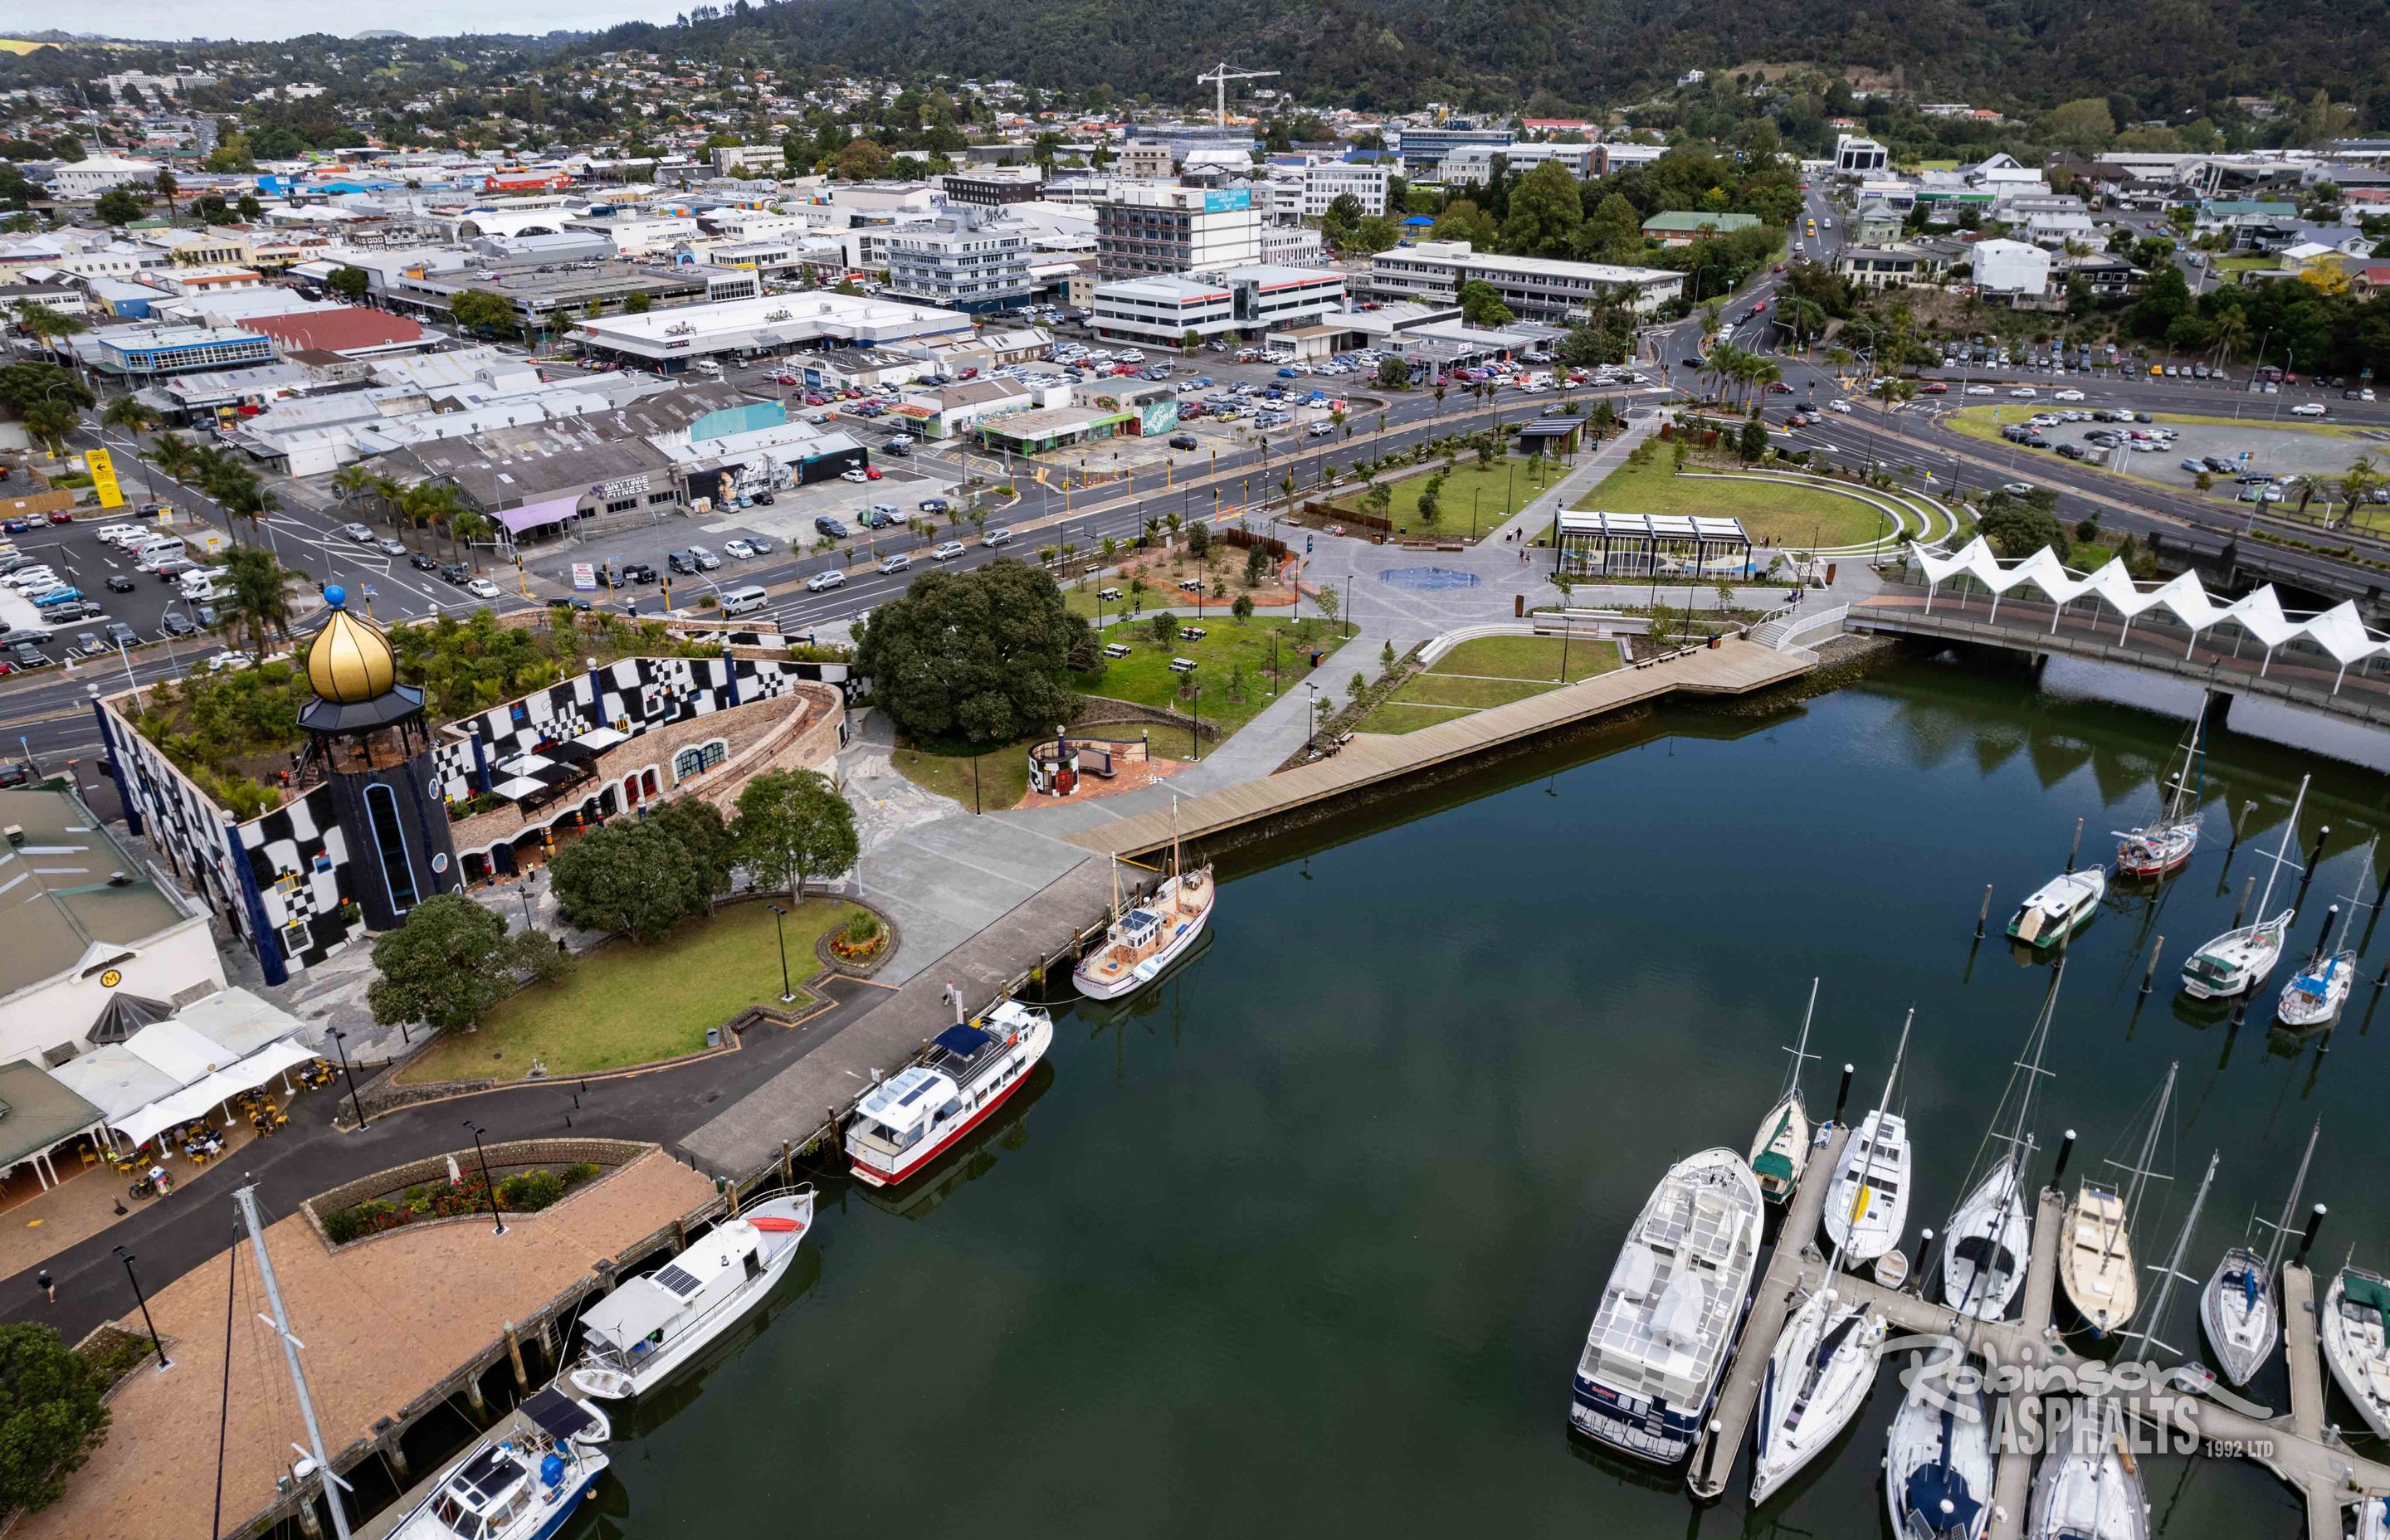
524, 1192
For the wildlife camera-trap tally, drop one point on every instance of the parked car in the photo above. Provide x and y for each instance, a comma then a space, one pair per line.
118, 583
1183, 441
120, 634
830, 527
933, 504
72, 609
423, 563
681, 562
26, 655
638, 571
738, 551
173, 622
852, 476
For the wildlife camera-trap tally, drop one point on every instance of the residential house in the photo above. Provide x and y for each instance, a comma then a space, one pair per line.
2014, 269
1679, 228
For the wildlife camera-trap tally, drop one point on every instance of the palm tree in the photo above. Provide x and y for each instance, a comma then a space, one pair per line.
350, 481
50, 421
2358, 484
468, 527
259, 600
129, 414
2232, 330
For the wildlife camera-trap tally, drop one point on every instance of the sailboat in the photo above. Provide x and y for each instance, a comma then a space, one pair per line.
1983, 1263
2095, 1259
1783, 1147
2239, 1307
1148, 939
1937, 1477
2237, 960
1818, 1378
1868, 1206
2160, 846
2316, 992
2090, 1494
2357, 1343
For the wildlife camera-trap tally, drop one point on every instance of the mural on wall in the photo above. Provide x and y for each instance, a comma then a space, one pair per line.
297, 855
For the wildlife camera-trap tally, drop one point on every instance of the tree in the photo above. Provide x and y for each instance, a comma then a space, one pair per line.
696, 826
131, 414
2016, 528
638, 303
2082, 126
1545, 213
979, 654
167, 188
46, 324
1375, 233
116, 206
453, 961
260, 599
793, 826
630, 877
1163, 626
50, 421
1392, 372
249, 208
860, 160
1480, 305
1244, 609
1754, 444
1199, 540
349, 283
50, 1416
1612, 233
1463, 220
478, 310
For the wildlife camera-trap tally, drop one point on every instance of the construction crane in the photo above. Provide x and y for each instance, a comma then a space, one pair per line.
1221, 77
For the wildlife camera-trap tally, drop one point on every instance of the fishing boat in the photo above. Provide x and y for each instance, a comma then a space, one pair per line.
958, 1081
2059, 907
652, 1325
1658, 1345
1818, 1378
1868, 1206
2357, 1343
1938, 1463
2095, 1258
1783, 1147
1989, 1236
2164, 844
2239, 960
2317, 993
522, 1482
2090, 1494
2240, 1308
1138, 945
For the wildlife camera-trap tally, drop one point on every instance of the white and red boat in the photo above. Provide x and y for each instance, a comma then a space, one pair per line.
2165, 843
1141, 944
952, 1087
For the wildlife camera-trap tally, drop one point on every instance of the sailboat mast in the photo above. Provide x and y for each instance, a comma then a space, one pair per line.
2174, 1264
2290, 836
2149, 1145
1866, 1164
2291, 1204
1801, 1049
2181, 790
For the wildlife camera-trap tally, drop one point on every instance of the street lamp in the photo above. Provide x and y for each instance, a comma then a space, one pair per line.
1311, 719
340, 1045
492, 1188
155, 1341
778, 913
524, 892
1195, 725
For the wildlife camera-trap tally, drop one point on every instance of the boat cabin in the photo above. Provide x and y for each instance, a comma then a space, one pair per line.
648, 1311
491, 1490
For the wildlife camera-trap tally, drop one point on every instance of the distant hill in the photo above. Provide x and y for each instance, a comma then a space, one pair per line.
2161, 55
373, 32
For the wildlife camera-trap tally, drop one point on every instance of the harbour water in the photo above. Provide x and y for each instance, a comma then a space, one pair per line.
1306, 1240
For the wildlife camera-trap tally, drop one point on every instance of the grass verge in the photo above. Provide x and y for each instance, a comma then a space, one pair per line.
1796, 517
1474, 496
946, 769
1532, 658
1229, 655
1396, 717
628, 1004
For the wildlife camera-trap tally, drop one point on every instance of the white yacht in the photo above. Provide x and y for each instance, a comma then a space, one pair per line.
2059, 907
652, 1325
1987, 1241
2090, 1495
1669, 1313
952, 1085
2317, 993
1937, 1474
2239, 1308
521, 1482
1818, 1378
2238, 961
2357, 1343
2166, 842
1868, 1206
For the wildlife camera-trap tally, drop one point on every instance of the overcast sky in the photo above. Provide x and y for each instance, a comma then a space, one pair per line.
171, 19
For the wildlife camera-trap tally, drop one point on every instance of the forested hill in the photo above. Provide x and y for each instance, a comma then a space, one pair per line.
2163, 55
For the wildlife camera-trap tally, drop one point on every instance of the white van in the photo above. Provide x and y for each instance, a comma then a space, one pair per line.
744, 600
201, 585
159, 548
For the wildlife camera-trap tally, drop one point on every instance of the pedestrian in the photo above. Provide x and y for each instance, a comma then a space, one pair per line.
47, 1284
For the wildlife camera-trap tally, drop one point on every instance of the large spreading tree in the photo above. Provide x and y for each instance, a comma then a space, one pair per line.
50, 1416
634, 876
452, 961
978, 655
793, 826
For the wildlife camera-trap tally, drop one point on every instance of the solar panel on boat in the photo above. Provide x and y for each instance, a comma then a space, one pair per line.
674, 1278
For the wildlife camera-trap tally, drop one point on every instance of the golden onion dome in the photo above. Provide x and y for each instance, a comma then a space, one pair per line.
349, 662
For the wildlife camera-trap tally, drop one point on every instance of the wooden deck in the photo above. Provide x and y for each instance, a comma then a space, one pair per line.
1731, 668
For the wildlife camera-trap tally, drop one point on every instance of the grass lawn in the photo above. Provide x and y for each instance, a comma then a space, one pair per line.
945, 768
629, 1004
1144, 675
1793, 516
1496, 494
1535, 658
1489, 670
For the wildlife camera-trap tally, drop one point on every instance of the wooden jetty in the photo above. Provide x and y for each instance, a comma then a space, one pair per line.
1370, 760
2298, 1446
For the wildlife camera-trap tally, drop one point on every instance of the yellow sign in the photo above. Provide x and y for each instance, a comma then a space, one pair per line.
102, 478
111, 979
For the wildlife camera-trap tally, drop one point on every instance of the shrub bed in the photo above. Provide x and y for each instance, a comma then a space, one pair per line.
524, 1192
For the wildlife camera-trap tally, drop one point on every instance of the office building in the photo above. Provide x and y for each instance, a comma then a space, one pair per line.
1856, 156
1539, 288
1323, 184
1162, 310
967, 260
992, 186
1144, 229
1423, 149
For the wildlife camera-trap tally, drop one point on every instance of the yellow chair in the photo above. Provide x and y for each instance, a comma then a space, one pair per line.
91, 1157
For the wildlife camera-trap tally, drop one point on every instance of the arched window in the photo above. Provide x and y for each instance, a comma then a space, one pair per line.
699, 758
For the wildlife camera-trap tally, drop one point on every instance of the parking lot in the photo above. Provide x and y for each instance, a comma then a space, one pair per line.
2270, 450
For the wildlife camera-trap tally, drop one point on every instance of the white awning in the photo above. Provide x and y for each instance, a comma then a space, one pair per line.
238, 1021
179, 1051
204, 1096
115, 1080
631, 1312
